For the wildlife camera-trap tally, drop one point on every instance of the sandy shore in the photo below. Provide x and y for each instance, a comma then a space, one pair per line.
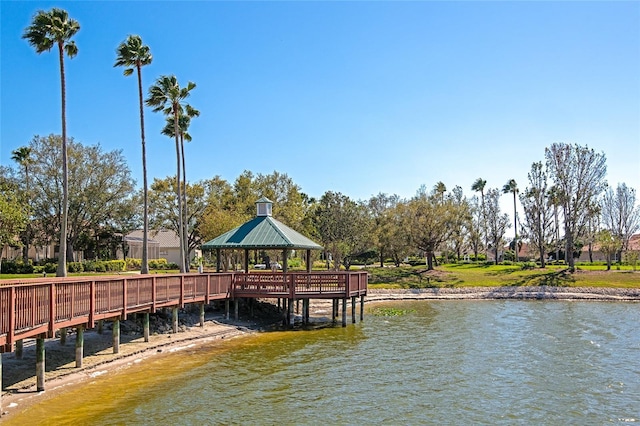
19, 382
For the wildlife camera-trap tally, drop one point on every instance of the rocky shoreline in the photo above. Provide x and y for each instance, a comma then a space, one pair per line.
520, 292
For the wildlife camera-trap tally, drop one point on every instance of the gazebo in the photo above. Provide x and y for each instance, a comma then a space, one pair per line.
263, 232
266, 233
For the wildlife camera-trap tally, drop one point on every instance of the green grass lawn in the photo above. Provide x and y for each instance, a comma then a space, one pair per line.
480, 275
472, 275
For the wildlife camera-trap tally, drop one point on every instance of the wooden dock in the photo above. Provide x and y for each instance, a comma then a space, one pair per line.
37, 308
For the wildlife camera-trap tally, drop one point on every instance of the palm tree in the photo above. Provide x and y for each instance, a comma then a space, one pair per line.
46, 30
512, 186
169, 129
440, 188
133, 54
478, 186
22, 156
167, 96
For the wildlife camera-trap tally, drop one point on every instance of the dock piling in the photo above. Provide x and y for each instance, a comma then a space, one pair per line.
115, 332
19, 348
145, 326
40, 363
174, 319
344, 312
79, 345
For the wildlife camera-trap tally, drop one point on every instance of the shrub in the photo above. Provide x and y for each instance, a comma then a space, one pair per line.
481, 257
158, 264
171, 266
9, 267
116, 265
294, 263
529, 265
75, 267
133, 263
51, 268
17, 267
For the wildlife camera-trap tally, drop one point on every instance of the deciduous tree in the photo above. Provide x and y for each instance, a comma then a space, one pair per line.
13, 212
620, 214
578, 173
343, 227
497, 222
427, 220
100, 182
538, 215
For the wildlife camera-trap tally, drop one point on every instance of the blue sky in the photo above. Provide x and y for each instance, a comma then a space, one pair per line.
356, 97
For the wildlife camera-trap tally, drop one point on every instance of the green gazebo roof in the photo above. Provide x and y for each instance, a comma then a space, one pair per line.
261, 232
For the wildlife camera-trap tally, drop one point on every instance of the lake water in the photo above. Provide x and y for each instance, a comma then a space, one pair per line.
445, 362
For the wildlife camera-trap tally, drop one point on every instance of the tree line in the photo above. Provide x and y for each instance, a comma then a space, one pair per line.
567, 205
85, 198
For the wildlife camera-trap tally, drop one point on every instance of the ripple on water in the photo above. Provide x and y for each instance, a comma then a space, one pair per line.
446, 362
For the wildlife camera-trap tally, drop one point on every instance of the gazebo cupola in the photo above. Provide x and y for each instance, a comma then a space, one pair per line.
264, 207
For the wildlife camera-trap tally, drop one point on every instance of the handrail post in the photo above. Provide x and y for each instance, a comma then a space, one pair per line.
181, 291
12, 316
92, 303
124, 299
206, 297
153, 294
52, 309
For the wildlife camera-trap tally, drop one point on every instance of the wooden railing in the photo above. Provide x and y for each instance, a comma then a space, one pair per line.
31, 307
28, 309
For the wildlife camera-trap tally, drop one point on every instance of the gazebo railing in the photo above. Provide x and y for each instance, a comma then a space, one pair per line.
299, 284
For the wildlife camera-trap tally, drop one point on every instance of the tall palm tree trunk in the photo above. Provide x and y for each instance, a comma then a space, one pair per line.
484, 229
515, 226
179, 193
25, 254
61, 271
184, 200
144, 269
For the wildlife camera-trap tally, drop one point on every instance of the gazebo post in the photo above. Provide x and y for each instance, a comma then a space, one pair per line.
246, 260
218, 268
309, 261
285, 258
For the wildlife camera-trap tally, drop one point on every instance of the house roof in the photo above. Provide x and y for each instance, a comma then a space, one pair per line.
262, 232
634, 244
